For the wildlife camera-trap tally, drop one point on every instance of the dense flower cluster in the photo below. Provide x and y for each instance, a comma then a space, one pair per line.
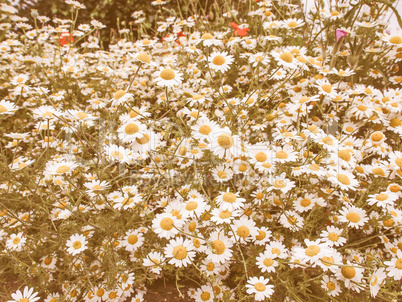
257, 156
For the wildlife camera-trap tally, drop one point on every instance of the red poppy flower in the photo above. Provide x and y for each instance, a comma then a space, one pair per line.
65, 38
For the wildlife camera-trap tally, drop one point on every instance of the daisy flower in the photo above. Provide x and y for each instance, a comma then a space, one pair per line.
194, 207
258, 58
204, 128
218, 250
26, 296
326, 88
394, 266
331, 286
375, 280
76, 244
208, 40
229, 201
95, 186
153, 260
204, 294
120, 97
133, 240
332, 236
292, 23
285, 59
351, 275
167, 77
276, 247
166, 225
314, 251
131, 131
266, 262
180, 251
7, 107
291, 220
222, 173
344, 179
264, 235
383, 199
354, 216
220, 216
244, 229
16, 242
281, 183
64, 167
259, 287
220, 61
393, 39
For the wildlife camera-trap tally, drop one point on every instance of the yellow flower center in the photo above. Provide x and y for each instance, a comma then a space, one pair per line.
261, 156
259, 286
63, 169
131, 128
344, 154
305, 202
261, 235
143, 140
229, 197
206, 36
327, 88
100, 292
3, 109
377, 136
97, 187
205, 296
47, 260
166, 224
167, 74
279, 183
348, 272
218, 60
225, 214
344, 179
353, 217
225, 140
222, 174
243, 231
205, 130
77, 245
398, 263
180, 252
268, 262
210, 266
395, 40
281, 155
23, 300
119, 93
331, 285
333, 236
327, 260
292, 24
381, 197
191, 206
218, 246
287, 57
144, 57
313, 250
132, 239
16, 240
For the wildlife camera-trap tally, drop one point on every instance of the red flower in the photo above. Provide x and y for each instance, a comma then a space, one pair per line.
65, 38
239, 31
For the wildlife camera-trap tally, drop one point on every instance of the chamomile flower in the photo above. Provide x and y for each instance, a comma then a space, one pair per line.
16, 242
131, 131
325, 88
7, 107
229, 201
154, 261
354, 216
133, 240
219, 247
76, 244
383, 199
244, 229
167, 77
204, 294
166, 225
332, 236
181, 251
220, 61
375, 281
259, 287
266, 262
26, 296
331, 286
394, 266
